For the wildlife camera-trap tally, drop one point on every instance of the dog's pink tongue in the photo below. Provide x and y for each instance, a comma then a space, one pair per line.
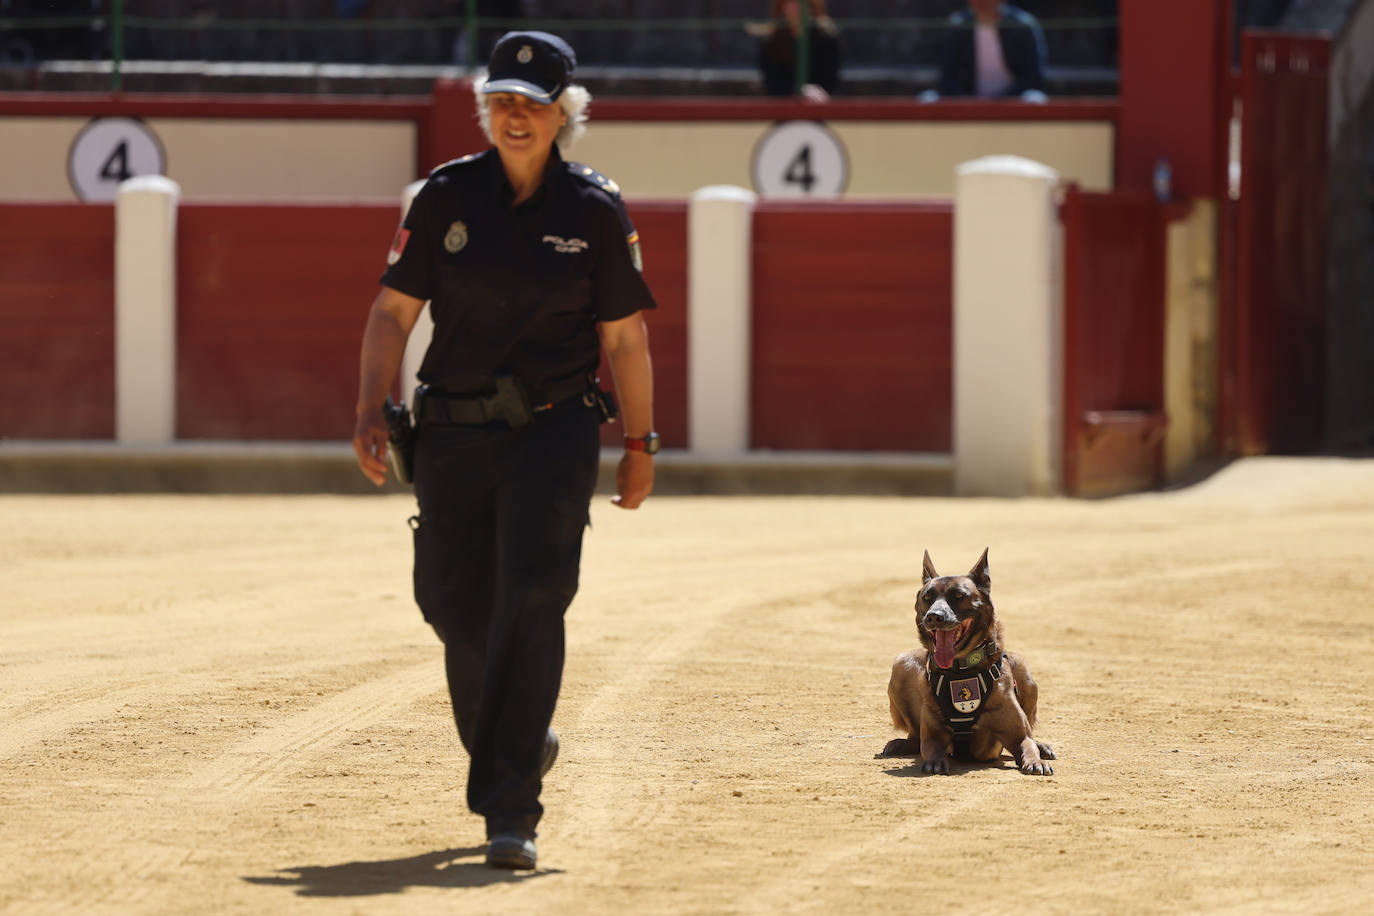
944, 647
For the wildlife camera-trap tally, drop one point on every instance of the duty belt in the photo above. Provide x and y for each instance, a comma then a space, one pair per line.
510, 403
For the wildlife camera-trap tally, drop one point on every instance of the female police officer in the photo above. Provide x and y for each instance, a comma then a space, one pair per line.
531, 267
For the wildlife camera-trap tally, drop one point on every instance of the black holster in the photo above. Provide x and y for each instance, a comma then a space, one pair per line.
400, 432
604, 401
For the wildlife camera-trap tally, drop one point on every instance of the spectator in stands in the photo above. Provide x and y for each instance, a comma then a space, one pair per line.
992, 50
778, 50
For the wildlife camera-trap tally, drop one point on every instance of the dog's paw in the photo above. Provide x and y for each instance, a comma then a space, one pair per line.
901, 747
1046, 752
940, 766
1037, 768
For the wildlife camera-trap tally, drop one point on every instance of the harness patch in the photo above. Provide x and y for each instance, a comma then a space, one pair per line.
966, 694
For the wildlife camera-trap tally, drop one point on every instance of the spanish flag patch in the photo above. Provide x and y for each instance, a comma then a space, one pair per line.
398, 245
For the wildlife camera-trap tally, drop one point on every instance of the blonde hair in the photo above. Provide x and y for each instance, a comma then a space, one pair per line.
574, 101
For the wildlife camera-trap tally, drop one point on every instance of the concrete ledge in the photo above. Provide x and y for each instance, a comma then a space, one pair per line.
328, 467
796, 473
184, 467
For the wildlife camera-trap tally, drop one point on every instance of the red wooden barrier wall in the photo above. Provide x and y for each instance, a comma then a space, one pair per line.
662, 228
57, 321
1114, 417
272, 302
851, 342
852, 336
271, 305
851, 331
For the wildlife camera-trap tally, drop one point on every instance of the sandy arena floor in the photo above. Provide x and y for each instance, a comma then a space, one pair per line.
230, 705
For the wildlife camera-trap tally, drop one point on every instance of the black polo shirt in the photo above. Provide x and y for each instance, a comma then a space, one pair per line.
516, 290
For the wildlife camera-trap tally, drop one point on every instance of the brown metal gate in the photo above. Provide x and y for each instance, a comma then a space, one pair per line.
1273, 329
1114, 418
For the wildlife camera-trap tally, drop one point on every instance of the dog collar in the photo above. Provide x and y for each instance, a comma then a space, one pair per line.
980, 656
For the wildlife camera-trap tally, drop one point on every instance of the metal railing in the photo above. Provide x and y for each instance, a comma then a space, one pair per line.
108, 34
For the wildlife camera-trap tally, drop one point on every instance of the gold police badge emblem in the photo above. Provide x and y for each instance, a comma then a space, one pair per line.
525, 54
456, 238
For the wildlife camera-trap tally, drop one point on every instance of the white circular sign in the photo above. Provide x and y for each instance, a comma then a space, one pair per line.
800, 159
110, 150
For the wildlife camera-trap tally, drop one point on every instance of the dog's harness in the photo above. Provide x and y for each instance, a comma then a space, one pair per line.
961, 690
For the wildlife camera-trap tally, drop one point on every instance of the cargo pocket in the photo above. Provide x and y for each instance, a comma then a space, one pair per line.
424, 582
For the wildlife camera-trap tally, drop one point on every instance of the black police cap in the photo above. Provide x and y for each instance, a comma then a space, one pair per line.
534, 64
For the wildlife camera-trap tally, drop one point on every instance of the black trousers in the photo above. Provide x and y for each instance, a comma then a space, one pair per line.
498, 546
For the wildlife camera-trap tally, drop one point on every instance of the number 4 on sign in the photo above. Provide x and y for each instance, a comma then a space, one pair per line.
800, 159
116, 168
799, 171
109, 151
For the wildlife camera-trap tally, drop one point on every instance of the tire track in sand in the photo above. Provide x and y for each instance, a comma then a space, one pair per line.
73, 707
247, 766
98, 700
262, 757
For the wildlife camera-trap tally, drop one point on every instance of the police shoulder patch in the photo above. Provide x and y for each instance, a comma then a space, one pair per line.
592, 177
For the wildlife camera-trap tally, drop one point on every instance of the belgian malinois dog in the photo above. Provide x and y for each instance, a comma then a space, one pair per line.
962, 694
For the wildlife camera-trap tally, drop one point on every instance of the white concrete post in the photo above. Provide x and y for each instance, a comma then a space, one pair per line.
423, 332
145, 309
719, 317
1008, 329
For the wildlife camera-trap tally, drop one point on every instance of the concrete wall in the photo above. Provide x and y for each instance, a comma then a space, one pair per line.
1190, 338
303, 149
227, 158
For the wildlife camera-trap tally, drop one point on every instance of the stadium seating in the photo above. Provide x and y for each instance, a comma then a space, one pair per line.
645, 48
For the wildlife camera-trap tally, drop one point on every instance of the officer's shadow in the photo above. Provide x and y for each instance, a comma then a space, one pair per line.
392, 876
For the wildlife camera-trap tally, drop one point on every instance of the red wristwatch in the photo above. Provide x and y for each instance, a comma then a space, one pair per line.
648, 444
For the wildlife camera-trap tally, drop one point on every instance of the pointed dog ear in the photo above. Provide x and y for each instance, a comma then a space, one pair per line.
928, 569
979, 573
